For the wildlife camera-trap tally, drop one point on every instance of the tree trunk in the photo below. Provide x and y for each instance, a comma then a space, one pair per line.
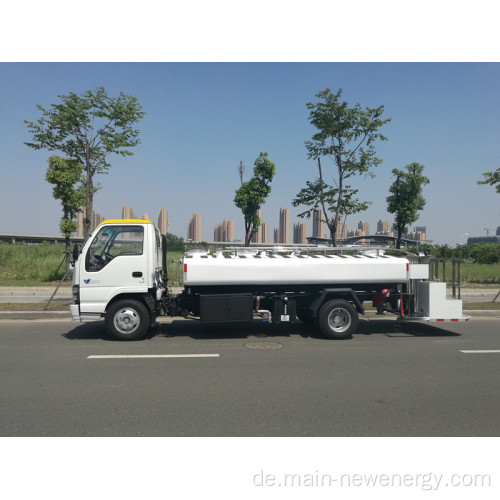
333, 235
87, 212
398, 241
67, 242
248, 234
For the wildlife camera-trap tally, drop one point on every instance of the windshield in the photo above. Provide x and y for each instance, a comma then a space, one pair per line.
114, 241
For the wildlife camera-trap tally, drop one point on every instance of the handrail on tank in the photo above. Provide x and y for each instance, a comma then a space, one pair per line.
321, 250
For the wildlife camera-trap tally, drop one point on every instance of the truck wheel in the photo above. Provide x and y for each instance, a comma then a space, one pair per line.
127, 320
337, 319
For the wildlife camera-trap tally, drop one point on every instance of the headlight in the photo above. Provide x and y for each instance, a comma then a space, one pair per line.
76, 294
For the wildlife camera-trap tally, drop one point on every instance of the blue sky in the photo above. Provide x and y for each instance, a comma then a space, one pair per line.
203, 118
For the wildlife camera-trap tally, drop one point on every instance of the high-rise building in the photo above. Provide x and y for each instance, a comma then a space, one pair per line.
423, 231
382, 226
364, 227
416, 236
284, 230
265, 232
341, 229
300, 233
194, 228
318, 221
127, 213
163, 221
276, 238
224, 231
95, 220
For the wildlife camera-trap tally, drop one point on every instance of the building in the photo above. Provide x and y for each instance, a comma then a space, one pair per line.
318, 221
265, 232
95, 220
163, 221
382, 227
224, 232
284, 229
364, 227
300, 233
127, 213
341, 230
422, 230
415, 236
194, 228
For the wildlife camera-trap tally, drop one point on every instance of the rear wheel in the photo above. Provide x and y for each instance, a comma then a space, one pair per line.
337, 319
127, 320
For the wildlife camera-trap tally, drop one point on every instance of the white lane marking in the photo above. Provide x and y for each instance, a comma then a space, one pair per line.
481, 351
123, 356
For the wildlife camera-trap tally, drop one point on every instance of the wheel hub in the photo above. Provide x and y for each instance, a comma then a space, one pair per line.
339, 320
127, 320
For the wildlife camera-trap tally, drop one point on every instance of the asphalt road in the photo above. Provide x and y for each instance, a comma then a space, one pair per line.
390, 379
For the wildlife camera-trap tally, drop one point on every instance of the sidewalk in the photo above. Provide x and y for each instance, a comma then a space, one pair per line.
40, 295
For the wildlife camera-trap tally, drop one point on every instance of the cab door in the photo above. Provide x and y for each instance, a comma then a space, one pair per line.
115, 262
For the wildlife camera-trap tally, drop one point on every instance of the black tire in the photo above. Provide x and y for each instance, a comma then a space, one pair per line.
127, 320
337, 319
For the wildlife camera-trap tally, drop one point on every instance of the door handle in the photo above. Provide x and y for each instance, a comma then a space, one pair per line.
136, 274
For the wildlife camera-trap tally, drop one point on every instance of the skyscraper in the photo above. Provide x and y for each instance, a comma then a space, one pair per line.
300, 233
364, 227
163, 221
383, 226
194, 228
318, 223
265, 232
224, 231
127, 213
284, 230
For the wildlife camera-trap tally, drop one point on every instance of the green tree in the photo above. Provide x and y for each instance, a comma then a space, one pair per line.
345, 136
492, 178
65, 175
175, 244
88, 128
253, 193
406, 200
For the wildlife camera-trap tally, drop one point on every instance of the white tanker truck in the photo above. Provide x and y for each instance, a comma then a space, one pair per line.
120, 276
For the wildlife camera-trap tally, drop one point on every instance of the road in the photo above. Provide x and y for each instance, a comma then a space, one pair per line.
390, 379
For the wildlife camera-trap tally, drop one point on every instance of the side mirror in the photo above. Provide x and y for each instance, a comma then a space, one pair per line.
75, 252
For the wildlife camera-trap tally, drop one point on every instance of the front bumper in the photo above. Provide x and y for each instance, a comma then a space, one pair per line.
74, 309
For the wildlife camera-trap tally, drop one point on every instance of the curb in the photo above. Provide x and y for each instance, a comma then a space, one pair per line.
28, 315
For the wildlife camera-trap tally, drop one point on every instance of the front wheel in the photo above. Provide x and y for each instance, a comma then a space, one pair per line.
338, 319
127, 320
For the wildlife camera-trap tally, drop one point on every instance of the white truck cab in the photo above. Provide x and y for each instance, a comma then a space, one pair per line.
120, 263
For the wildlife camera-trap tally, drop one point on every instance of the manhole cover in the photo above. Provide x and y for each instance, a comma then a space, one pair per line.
264, 346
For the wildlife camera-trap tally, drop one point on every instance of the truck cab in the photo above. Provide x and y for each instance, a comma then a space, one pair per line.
118, 274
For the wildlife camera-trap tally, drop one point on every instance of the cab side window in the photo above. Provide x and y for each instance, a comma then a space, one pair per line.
113, 242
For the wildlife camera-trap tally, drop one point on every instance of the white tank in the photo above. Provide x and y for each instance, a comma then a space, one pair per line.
261, 268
